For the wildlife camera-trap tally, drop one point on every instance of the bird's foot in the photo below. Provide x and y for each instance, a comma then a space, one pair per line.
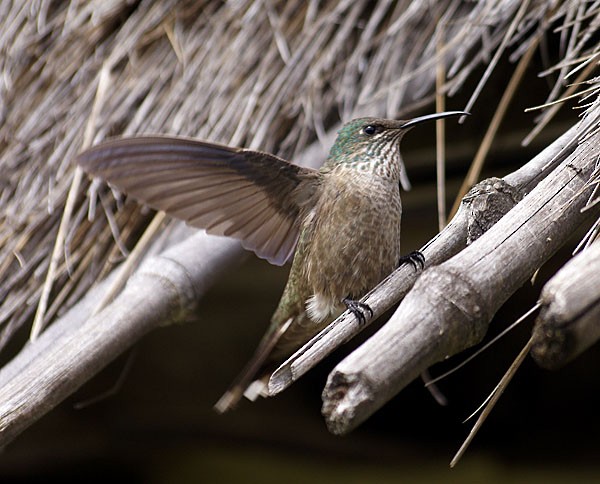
415, 258
359, 310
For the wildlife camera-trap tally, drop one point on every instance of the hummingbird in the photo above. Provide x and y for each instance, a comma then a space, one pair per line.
340, 223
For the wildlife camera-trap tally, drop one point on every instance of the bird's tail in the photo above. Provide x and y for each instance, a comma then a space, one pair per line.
247, 384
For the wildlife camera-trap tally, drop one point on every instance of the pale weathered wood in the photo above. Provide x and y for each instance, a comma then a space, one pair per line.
569, 319
482, 207
76, 347
450, 306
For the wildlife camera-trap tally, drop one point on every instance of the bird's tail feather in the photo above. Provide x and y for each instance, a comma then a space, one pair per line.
246, 384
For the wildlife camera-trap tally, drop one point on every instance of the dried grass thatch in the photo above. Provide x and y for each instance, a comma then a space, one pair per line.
274, 75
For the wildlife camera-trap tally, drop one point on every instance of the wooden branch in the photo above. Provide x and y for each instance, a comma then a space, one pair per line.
76, 347
567, 324
482, 207
450, 306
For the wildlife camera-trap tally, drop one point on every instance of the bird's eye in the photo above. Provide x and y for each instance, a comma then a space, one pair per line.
371, 129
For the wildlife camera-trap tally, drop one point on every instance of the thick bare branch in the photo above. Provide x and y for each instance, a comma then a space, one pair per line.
450, 306
75, 348
568, 321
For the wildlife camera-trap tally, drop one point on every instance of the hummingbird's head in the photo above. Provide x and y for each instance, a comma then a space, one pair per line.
367, 136
373, 144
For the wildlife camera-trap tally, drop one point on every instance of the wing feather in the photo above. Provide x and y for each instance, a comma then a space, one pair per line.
249, 195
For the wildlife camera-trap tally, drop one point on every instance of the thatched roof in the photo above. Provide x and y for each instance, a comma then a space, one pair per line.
268, 75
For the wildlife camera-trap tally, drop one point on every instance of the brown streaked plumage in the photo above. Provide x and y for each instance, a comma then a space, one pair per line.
342, 222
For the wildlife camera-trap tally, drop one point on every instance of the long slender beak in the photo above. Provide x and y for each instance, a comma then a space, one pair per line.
430, 117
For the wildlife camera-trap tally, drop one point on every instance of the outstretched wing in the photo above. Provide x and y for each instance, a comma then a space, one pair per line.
252, 196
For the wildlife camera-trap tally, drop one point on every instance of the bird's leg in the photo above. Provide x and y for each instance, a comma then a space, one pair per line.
358, 309
415, 258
